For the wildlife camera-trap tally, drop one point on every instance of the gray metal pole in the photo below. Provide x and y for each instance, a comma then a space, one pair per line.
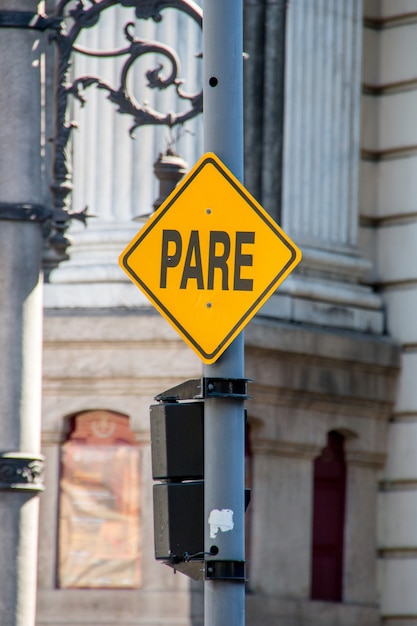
21, 316
224, 600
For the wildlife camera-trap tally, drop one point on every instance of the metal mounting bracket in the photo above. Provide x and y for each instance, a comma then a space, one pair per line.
26, 19
225, 570
20, 471
23, 212
201, 388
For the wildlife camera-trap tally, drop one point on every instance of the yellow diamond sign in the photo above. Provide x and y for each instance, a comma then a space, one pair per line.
209, 258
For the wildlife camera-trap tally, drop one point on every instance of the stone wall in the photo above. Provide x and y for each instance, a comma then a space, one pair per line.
317, 353
388, 218
117, 362
308, 382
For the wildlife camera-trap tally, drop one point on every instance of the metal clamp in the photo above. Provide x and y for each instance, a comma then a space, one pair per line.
225, 388
21, 472
225, 570
26, 19
23, 212
201, 388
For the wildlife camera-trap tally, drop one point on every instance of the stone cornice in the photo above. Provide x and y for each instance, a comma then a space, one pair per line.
389, 88
291, 449
398, 552
398, 484
313, 400
323, 344
389, 154
391, 21
363, 458
51, 438
306, 451
54, 438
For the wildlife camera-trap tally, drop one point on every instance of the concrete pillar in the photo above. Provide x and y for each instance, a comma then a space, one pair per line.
321, 133
21, 313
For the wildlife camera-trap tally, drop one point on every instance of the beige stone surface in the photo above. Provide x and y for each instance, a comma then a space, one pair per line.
305, 383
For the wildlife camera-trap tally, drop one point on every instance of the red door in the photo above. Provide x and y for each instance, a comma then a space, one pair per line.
328, 521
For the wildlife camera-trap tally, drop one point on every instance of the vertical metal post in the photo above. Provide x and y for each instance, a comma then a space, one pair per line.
21, 315
224, 600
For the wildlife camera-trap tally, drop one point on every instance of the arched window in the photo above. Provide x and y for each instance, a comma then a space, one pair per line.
99, 504
328, 521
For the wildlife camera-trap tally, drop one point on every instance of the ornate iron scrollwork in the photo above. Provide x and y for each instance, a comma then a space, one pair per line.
73, 18
124, 100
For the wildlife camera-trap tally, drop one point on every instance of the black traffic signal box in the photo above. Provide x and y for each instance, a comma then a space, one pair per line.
178, 520
177, 447
177, 438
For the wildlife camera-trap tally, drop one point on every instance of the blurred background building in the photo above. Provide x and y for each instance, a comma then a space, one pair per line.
331, 153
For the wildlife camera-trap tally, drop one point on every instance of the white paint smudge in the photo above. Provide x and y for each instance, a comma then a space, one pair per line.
220, 521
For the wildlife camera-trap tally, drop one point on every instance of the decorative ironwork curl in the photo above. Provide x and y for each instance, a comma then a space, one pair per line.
124, 100
72, 20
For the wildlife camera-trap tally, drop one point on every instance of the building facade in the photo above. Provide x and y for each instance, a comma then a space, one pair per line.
329, 152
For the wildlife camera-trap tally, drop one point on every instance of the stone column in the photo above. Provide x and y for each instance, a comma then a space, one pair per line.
264, 43
320, 168
280, 558
21, 314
